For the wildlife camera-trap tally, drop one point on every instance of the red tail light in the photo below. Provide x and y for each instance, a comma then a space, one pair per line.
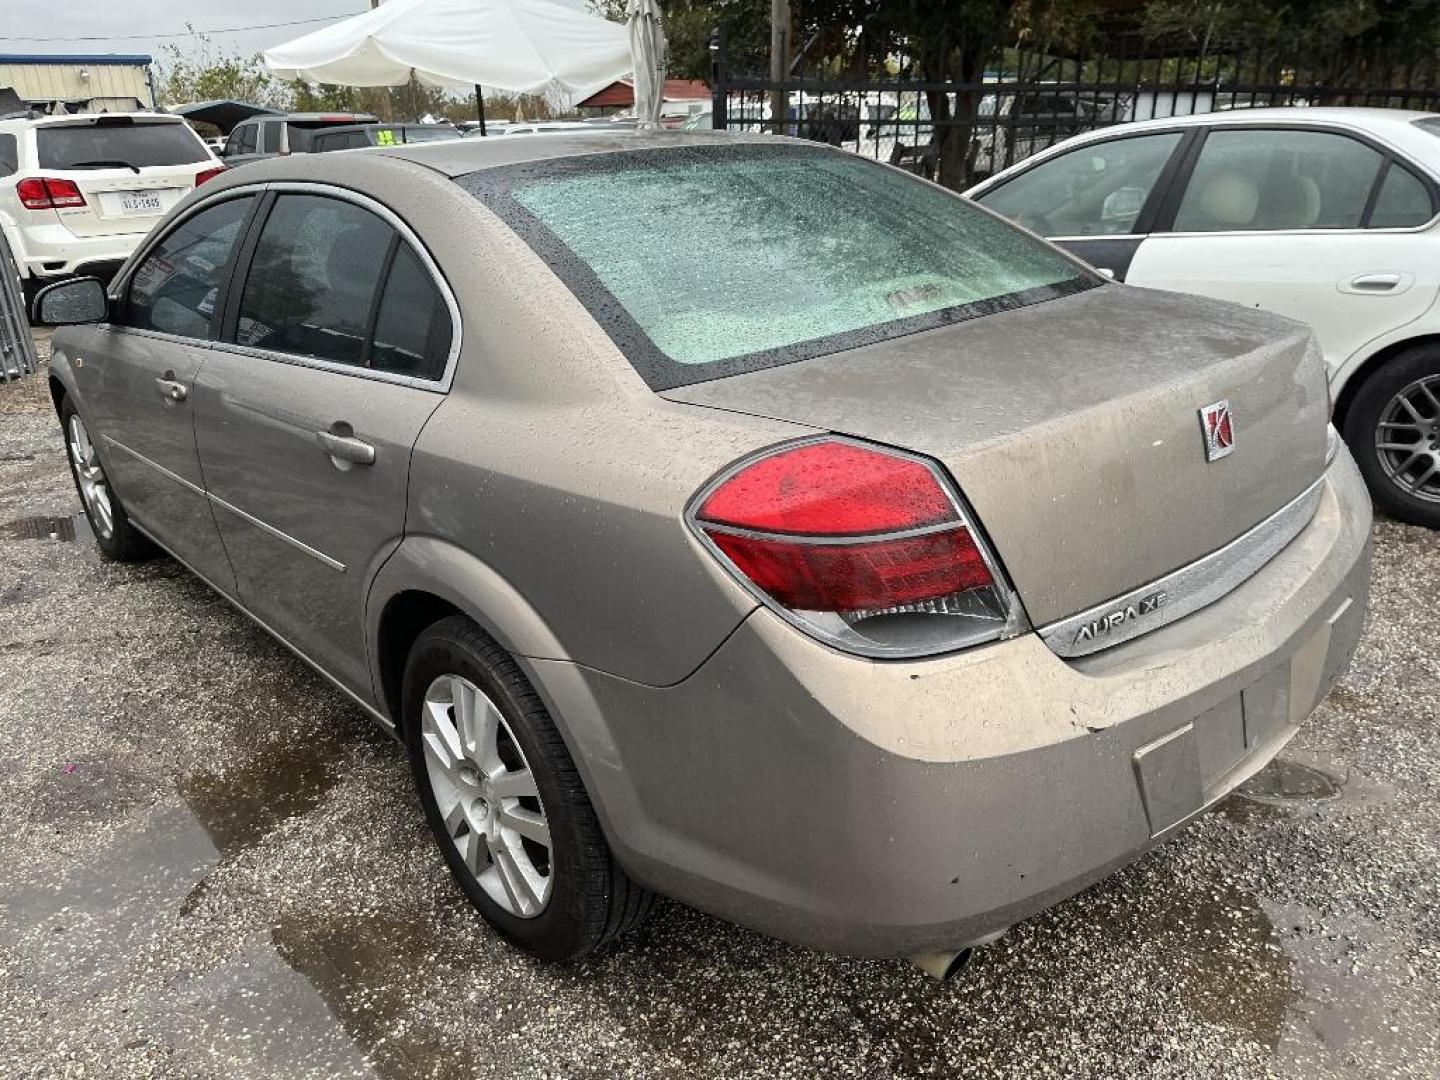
867, 549
48, 193
208, 174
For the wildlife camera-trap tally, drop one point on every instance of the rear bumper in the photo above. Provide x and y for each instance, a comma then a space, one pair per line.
53, 251
892, 808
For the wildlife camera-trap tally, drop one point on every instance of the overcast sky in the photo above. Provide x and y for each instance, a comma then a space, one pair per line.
148, 26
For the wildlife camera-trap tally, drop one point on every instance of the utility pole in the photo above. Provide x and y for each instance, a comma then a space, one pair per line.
779, 63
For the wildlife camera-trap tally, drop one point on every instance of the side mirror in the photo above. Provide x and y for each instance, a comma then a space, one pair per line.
66, 303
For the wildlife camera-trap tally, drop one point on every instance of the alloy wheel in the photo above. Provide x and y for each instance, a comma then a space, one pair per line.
94, 488
487, 795
1407, 439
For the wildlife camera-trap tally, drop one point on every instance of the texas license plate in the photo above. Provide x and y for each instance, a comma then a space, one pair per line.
140, 202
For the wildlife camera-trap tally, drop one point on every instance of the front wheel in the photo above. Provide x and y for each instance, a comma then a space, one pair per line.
1393, 429
505, 802
114, 535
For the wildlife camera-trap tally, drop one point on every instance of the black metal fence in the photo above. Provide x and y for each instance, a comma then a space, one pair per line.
1030, 98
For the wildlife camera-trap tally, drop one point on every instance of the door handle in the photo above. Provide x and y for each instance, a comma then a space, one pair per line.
1375, 282
171, 388
345, 450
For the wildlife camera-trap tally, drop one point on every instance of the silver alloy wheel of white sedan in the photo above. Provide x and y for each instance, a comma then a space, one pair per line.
487, 795
94, 488
1408, 439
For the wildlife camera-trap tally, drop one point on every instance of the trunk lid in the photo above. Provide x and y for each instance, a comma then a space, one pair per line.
1073, 428
121, 201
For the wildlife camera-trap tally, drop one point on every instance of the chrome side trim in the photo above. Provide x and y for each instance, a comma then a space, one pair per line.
370, 710
299, 545
1186, 590
118, 445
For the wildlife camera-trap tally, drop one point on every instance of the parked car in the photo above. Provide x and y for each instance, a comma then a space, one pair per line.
876, 580
79, 193
1325, 215
1008, 127
550, 127
268, 135
357, 136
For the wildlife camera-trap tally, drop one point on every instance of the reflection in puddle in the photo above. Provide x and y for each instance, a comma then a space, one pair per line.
364, 967
95, 788
283, 780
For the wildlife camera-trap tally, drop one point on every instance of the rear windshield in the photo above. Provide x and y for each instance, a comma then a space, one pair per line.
112, 145
703, 262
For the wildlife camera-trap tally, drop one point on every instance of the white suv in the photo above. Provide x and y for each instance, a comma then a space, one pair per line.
79, 193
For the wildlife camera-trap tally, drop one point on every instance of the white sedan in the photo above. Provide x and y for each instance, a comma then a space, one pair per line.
1327, 215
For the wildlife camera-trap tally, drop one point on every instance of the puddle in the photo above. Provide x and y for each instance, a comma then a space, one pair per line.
64, 529
94, 788
1353, 1005
1225, 959
1287, 779
363, 967
282, 780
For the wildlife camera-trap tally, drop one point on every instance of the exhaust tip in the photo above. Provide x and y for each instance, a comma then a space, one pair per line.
943, 964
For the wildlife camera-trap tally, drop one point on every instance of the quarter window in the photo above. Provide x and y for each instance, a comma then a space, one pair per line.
412, 330
313, 279
1096, 190
175, 288
1252, 180
9, 155
1403, 201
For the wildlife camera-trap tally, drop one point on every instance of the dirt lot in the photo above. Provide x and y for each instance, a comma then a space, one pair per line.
211, 865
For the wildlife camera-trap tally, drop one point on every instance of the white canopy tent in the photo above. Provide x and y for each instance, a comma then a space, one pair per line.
519, 46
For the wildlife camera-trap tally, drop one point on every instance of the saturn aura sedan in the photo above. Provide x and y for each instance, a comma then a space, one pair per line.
1330, 216
729, 518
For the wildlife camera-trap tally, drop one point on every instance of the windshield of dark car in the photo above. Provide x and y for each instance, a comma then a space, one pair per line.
64, 146
708, 261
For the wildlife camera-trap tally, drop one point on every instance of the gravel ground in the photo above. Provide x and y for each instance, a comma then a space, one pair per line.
211, 865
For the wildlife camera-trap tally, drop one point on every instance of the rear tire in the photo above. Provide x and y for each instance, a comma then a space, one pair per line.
571, 897
1403, 394
116, 537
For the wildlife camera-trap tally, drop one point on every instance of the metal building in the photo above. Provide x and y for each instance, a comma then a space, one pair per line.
99, 82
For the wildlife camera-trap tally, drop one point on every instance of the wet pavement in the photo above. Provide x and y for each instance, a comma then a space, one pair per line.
212, 865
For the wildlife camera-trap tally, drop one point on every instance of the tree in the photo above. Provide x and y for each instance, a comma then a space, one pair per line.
203, 74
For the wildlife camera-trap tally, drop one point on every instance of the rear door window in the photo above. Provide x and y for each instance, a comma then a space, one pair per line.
1254, 179
313, 279
110, 145
176, 287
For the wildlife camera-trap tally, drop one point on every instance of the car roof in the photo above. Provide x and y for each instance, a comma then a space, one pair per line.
456, 157
46, 120
1395, 127
1392, 125
314, 118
